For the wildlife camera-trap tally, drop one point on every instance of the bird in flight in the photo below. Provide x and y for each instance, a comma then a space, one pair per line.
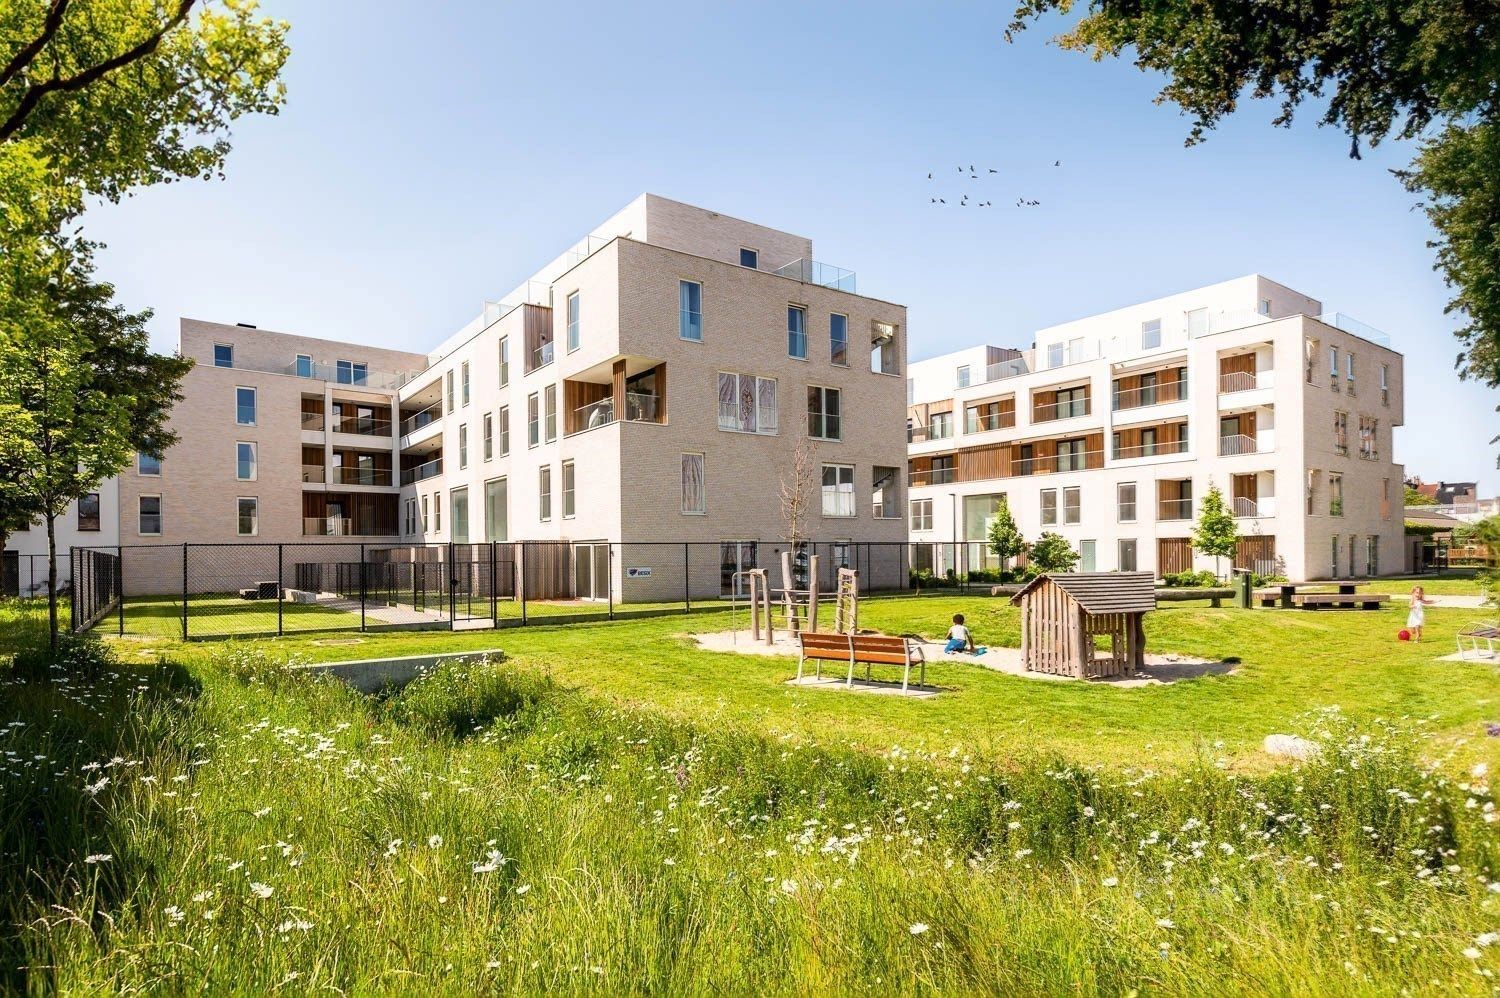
992, 170
929, 176
1057, 163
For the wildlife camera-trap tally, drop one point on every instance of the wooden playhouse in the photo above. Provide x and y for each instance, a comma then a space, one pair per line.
1064, 615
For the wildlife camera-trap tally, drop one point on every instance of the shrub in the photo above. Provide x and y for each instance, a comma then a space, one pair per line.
75, 656
1189, 580
1052, 553
460, 698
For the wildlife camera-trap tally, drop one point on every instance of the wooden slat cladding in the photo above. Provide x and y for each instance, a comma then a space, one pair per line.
987, 463
1256, 553
1135, 390
1044, 405
1173, 555
1169, 439
536, 325
576, 395
993, 413
1240, 363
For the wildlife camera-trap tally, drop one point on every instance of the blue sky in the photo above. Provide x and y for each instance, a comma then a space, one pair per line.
433, 155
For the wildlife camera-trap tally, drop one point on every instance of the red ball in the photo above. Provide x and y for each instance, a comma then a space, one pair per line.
1404, 635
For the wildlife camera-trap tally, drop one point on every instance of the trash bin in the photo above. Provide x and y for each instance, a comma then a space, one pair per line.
1242, 588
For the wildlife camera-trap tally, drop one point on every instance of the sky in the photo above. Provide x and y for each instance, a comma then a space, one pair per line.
433, 155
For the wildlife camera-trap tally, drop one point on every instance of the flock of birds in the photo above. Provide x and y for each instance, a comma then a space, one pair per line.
1021, 202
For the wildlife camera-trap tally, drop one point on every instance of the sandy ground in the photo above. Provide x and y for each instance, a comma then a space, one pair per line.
1159, 668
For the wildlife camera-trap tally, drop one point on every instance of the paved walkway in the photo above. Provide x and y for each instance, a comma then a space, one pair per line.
1462, 602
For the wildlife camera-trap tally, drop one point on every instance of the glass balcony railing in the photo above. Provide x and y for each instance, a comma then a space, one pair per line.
312, 473
362, 476
1151, 450
355, 376
417, 420
369, 426
822, 274
312, 420
1174, 509
541, 356
341, 526
422, 472
1071, 409
1148, 395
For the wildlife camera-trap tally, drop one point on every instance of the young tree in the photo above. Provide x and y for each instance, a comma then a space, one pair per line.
1215, 533
1005, 538
1415, 498
1052, 553
1412, 69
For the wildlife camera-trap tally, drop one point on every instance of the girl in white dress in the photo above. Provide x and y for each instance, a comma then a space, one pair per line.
1417, 613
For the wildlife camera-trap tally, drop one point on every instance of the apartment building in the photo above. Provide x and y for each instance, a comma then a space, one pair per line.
649, 385
1110, 429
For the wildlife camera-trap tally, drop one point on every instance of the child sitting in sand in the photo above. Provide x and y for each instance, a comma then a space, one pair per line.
959, 638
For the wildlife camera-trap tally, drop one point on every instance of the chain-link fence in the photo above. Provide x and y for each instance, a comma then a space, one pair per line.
242, 590
26, 574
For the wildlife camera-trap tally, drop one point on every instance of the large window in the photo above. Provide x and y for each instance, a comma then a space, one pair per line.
147, 466
1072, 402
463, 446
824, 413
544, 493
940, 426
223, 355
88, 512
1072, 505
747, 403
796, 331
247, 516
694, 487
149, 523
533, 420
1127, 554
1151, 334
458, 521
1368, 428
424, 514
921, 514
488, 434
448, 390
504, 361
573, 307
549, 407
885, 500
350, 373
1125, 502
437, 512
690, 310
838, 490
244, 406
838, 339
1049, 507
463, 383
1071, 456
504, 430
1054, 355
1335, 495
244, 461
568, 486
496, 510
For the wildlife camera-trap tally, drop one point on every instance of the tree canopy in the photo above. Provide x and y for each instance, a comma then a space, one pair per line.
1215, 534
1423, 70
1053, 553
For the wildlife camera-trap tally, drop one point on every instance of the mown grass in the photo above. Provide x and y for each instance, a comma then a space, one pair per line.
254, 829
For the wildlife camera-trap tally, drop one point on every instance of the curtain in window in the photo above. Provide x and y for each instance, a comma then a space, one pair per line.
693, 497
767, 399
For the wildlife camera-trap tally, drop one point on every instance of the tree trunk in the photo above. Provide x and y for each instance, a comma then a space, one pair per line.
52, 581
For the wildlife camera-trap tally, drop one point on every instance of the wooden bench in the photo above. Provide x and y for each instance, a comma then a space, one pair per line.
1340, 601
854, 649
1186, 594
1479, 630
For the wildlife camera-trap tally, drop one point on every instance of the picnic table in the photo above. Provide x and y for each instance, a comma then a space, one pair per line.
1339, 594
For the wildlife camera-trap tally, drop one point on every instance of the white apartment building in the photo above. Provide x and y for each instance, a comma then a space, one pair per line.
1110, 429
93, 521
649, 385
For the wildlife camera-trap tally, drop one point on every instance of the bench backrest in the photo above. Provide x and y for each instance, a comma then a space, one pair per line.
874, 648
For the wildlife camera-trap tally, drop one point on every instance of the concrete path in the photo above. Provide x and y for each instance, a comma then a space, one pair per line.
1461, 602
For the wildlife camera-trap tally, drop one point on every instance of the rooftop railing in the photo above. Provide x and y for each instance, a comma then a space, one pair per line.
822, 274
331, 372
1349, 324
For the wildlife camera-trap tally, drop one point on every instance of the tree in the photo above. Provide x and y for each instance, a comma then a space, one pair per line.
120, 93
1409, 69
1005, 538
1415, 498
1215, 533
1052, 553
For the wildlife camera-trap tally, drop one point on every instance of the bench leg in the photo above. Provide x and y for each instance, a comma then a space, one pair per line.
800, 659
906, 676
849, 683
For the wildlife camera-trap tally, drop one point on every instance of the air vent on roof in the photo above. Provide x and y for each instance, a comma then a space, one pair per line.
247, 325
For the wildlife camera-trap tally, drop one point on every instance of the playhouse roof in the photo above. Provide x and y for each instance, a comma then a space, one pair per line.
1102, 592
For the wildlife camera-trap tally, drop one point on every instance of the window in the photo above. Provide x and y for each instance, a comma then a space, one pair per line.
1333, 369
1049, 507
1070, 455
883, 357
549, 408
304, 366
1197, 322
497, 510
488, 433
1054, 355
749, 258
1148, 441
1335, 495
838, 490
567, 489
544, 493
504, 430
1263, 307
961, 378
1127, 554
694, 488
573, 322
424, 514
1312, 491
533, 420
147, 466
247, 516
464, 383
1311, 351
824, 408
350, 373
1335, 556
1148, 388
1072, 505
244, 406
1088, 560
448, 388
437, 512
1125, 502
1072, 402
1372, 555
458, 500
1353, 544
1385, 389
409, 518
88, 512
838, 339
885, 500
463, 446
244, 461
1349, 371
911, 393
940, 426
690, 310
150, 516
1340, 432
747, 404
796, 332
1385, 498
943, 468
921, 514
1151, 334
223, 355
504, 361
1368, 429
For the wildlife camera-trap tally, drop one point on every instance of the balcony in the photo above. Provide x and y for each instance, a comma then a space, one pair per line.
424, 417
312, 421
989, 421
1071, 409
1233, 444
540, 357
354, 377
1147, 395
923, 434
1058, 464
422, 472
1248, 508
341, 526
1243, 381
822, 274
935, 476
361, 476
368, 426
1151, 450
639, 408
313, 474
1174, 509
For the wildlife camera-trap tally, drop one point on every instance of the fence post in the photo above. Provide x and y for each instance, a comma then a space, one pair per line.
361, 587
184, 591
521, 578
280, 589
609, 577
687, 579
494, 578
120, 583
452, 588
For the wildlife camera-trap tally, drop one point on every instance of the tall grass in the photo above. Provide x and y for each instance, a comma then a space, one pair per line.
487, 828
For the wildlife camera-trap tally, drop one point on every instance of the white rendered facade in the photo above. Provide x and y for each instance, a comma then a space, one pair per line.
92, 522
1111, 428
